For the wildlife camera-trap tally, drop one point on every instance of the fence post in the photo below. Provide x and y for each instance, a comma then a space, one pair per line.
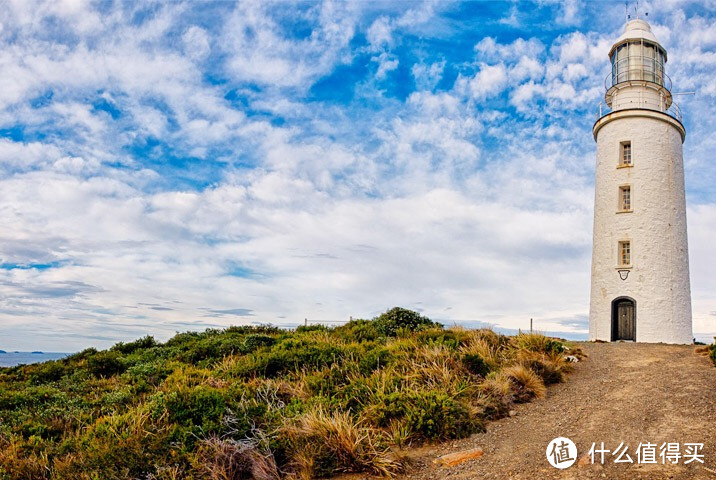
530, 325
305, 322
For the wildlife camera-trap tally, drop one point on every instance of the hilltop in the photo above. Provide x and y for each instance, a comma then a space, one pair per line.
265, 403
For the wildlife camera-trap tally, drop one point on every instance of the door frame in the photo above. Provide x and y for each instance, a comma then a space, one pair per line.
615, 316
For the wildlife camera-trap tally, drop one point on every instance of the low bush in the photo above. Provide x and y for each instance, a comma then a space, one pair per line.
257, 340
131, 347
358, 331
399, 319
48, 372
427, 415
105, 364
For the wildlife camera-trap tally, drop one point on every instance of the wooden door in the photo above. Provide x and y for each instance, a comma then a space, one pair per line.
626, 320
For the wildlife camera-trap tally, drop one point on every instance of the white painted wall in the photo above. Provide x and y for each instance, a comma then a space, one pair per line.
659, 278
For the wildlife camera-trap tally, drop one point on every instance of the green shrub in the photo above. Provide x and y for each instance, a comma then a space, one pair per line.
399, 319
373, 360
131, 347
75, 357
713, 353
439, 336
358, 331
311, 328
201, 406
105, 364
252, 329
48, 372
150, 372
432, 414
257, 340
289, 355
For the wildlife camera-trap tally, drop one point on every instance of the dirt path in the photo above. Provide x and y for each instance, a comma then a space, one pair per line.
622, 392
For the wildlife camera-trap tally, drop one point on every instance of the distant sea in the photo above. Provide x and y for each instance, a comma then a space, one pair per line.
10, 359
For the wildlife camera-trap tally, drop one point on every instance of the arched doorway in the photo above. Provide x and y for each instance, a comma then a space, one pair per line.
623, 319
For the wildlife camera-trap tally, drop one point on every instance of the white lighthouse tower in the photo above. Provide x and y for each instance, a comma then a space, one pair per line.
640, 262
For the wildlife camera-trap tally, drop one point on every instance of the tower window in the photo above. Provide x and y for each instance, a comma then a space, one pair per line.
625, 154
625, 253
625, 198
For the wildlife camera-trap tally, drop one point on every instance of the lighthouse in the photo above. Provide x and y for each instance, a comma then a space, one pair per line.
640, 264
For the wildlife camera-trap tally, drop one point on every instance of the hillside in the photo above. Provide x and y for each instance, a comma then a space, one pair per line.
260, 402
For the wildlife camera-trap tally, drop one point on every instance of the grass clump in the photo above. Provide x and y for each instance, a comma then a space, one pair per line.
228, 459
264, 403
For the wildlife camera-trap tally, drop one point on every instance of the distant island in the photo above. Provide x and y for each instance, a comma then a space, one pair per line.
36, 353
3, 351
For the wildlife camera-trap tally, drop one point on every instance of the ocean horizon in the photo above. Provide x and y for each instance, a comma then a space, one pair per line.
11, 359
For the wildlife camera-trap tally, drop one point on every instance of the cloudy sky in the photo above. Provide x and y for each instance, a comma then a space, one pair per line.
184, 165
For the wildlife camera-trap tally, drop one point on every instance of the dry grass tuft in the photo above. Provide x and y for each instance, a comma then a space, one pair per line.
334, 441
489, 352
495, 396
550, 367
536, 342
30, 467
434, 366
526, 384
226, 459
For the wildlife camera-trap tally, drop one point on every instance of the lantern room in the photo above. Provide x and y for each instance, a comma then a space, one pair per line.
638, 78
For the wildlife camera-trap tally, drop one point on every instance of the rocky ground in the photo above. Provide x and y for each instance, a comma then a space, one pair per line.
622, 392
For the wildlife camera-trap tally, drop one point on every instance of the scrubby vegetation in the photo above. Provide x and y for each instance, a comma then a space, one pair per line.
262, 403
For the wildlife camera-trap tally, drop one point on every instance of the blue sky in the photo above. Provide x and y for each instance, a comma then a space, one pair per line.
184, 165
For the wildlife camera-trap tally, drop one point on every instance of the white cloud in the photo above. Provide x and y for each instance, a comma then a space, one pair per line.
260, 51
489, 81
196, 42
489, 50
569, 11
526, 68
386, 63
523, 94
428, 76
379, 34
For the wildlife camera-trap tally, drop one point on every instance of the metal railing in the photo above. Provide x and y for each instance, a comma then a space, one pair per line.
673, 111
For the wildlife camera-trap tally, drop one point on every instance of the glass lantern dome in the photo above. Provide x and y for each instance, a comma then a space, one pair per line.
639, 59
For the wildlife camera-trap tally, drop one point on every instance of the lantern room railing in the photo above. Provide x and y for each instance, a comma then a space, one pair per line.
673, 111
